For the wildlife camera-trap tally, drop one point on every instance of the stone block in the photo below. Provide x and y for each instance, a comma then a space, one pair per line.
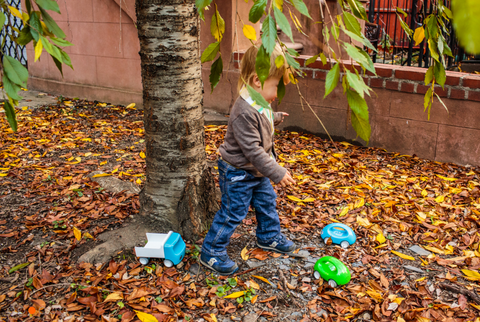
405, 136
119, 73
316, 90
458, 145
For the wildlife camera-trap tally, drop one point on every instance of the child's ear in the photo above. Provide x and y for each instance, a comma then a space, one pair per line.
256, 81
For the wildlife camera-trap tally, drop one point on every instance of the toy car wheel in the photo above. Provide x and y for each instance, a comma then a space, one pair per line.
325, 241
345, 244
168, 263
332, 283
143, 260
316, 275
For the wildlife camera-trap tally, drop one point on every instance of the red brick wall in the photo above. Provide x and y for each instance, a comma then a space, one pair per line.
399, 123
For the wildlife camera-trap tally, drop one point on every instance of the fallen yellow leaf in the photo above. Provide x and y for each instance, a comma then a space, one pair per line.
130, 106
77, 233
420, 279
114, 297
254, 285
344, 212
380, 238
102, 175
262, 279
145, 317
142, 155
440, 199
235, 295
244, 253
403, 255
474, 275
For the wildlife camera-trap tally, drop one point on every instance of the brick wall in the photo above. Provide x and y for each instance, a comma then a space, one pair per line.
104, 53
399, 123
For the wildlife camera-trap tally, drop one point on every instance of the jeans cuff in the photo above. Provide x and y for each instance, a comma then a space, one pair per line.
213, 253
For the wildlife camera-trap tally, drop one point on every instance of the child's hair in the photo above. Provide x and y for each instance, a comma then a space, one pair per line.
247, 65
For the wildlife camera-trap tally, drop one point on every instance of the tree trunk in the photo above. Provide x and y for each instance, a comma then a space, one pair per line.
179, 192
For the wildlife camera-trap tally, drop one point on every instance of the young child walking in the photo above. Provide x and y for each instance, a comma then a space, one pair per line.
247, 164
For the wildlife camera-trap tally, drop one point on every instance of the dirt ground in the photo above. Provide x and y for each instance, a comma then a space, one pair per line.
51, 213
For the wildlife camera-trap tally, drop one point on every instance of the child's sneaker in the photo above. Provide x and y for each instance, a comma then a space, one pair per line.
279, 244
223, 265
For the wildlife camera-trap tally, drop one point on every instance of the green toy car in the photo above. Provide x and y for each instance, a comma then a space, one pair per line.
332, 270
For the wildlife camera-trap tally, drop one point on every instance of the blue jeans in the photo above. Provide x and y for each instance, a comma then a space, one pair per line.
240, 189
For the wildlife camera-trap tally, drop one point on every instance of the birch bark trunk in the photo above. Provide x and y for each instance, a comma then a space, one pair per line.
179, 192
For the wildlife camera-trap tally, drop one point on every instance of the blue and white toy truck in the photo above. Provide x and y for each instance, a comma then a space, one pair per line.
169, 246
340, 234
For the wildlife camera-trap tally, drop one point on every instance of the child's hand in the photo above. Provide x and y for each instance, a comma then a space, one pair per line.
283, 116
287, 180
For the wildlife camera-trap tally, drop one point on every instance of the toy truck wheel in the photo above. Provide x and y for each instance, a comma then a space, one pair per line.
332, 283
316, 275
143, 260
345, 244
168, 263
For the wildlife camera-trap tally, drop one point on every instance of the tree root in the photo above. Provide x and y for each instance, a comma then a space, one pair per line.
459, 289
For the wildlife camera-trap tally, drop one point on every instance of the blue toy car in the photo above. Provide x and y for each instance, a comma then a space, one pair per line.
169, 246
340, 234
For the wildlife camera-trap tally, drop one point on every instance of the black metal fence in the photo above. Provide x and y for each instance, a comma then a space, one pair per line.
8, 46
394, 47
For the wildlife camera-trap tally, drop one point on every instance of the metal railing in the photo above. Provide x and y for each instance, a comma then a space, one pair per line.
394, 47
8, 46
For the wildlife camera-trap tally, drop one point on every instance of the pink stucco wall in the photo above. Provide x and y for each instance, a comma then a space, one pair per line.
105, 53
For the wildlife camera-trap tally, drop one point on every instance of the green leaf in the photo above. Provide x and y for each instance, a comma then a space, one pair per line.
361, 39
269, 33
15, 71
335, 31
433, 50
19, 266
215, 72
448, 12
429, 75
293, 52
35, 26
432, 27
440, 45
405, 27
24, 37
283, 22
257, 97
201, 4
357, 55
11, 89
427, 101
61, 42
66, 59
440, 74
301, 7
323, 58
217, 27
359, 116
400, 10
52, 25
210, 52
358, 9
311, 60
257, 10
280, 90
58, 63
332, 79
446, 49
357, 83
352, 24
48, 5
2, 19
291, 61
28, 4
279, 61
262, 64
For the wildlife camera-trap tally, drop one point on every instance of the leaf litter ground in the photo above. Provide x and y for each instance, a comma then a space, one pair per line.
52, 212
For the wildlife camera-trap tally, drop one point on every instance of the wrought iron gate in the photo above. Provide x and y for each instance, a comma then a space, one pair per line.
394, 47
9, 47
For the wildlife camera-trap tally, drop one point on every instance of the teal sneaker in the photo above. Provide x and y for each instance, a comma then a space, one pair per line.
222, 265
279, 244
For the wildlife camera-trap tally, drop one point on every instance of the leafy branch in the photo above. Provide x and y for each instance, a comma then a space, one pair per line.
44, 32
